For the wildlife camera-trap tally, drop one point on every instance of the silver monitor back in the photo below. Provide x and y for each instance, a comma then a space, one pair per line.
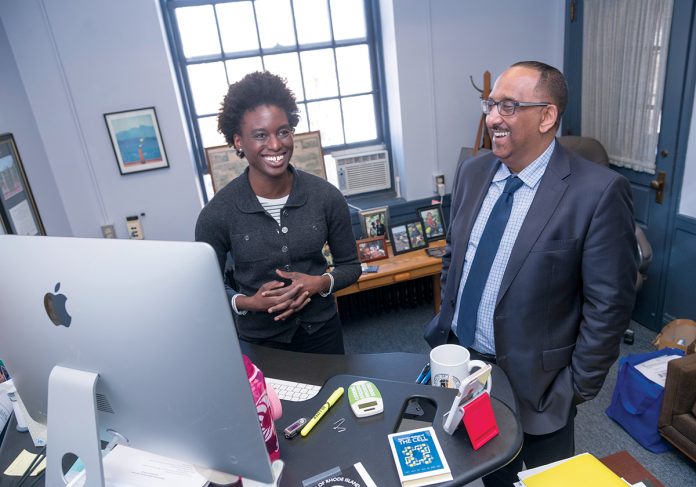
153, 320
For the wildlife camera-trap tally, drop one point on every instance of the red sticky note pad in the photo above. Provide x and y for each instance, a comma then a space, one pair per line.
479, 420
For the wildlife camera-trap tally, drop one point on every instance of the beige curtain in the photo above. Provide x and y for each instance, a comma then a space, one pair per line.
623, 72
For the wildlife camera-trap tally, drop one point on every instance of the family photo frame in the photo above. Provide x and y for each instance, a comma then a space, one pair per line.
407, 237
374, 222
136, 139
373, 248
224, 164
433, 222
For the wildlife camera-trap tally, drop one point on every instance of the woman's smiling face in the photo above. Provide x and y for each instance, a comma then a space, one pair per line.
266, 139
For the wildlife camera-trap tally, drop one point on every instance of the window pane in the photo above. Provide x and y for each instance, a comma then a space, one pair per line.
287, 66
238, 68
354, 69
209, 134
312, 21
319, 73
274, 19
325, 116
303, 126
237, 27
199, 35
348, 18
359, 118
208, 86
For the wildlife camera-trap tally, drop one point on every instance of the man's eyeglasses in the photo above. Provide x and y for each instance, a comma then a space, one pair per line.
508, 107
263, 137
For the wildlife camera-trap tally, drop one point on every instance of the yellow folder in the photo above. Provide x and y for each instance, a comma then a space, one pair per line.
579, 471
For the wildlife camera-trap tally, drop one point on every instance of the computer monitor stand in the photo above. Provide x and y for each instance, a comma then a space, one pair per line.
72, 424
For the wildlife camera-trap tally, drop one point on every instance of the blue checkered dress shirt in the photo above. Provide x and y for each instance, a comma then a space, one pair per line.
531, 175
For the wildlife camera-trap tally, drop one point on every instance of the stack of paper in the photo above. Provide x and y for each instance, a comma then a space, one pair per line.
578, 471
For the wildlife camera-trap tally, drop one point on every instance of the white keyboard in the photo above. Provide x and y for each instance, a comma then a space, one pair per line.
293, 391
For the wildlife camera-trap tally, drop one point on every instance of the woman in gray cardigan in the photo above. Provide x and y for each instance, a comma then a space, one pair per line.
273, 221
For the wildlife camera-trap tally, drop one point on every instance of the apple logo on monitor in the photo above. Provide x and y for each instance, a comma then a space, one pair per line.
55, 307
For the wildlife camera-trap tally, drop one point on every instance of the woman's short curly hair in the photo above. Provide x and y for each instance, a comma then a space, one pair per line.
252, 91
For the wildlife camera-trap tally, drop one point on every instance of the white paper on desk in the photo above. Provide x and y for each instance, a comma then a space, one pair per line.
5, 409
128, 467
656, 369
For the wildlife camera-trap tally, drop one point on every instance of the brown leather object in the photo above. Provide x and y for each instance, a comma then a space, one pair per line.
624, 465
677, 422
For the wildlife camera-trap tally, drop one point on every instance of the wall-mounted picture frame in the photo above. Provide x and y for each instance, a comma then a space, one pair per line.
224, 164
433, 222
18, 212
136, 140
374, 248
374, 222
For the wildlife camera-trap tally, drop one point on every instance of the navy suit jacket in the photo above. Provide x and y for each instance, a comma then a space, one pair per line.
568, 289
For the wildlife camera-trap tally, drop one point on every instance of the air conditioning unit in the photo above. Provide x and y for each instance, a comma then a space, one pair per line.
362, 170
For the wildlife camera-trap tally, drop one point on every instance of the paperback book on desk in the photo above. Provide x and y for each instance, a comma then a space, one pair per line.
418, 457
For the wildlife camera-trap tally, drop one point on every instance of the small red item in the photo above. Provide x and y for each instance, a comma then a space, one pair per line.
479, 420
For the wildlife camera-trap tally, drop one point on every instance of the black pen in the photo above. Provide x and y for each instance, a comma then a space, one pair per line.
425, 370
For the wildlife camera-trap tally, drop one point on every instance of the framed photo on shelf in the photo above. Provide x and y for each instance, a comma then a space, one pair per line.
224, 164
18, 212
373, 248
398, 236
416, 235
374, 222
136, 140
407, 237
433, 222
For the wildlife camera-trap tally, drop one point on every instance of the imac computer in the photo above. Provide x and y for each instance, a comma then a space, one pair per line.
138, 340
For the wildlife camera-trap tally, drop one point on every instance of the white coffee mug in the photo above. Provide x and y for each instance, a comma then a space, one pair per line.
450, 364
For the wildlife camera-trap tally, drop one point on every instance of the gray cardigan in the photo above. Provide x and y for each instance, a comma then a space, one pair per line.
316, 212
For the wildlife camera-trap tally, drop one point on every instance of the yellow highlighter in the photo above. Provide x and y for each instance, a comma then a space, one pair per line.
322, 411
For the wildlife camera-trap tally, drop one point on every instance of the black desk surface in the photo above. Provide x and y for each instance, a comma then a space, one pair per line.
365, 438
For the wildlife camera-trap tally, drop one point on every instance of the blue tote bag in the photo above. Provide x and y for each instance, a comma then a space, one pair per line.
637, 401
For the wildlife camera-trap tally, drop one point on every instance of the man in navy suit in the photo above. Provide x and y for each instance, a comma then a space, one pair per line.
556, 296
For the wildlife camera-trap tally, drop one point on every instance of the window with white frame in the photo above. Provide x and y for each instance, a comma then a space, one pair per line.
326, 49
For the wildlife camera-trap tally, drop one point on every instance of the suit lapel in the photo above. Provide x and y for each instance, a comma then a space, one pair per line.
551, 189
475, 189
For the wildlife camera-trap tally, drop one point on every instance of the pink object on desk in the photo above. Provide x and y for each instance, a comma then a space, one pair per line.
264, 398
479, 420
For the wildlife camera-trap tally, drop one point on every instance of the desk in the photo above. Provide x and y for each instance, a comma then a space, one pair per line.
399, 268
328, 448
318, 452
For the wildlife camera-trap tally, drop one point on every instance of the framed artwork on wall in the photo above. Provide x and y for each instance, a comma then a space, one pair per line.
18, 212
433, 222
136, 140
374, 248
224, 164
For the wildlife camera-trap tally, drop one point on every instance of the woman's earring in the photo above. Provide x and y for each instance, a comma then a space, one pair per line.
240, 151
